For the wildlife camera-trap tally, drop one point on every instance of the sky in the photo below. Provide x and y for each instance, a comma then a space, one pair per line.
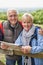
21, 3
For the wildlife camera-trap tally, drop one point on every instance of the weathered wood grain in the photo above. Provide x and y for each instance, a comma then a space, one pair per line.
13, 49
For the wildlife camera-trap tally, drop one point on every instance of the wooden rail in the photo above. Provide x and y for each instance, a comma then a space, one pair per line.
16, 50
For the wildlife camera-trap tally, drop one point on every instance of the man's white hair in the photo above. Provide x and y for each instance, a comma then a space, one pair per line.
26, 15
10, 9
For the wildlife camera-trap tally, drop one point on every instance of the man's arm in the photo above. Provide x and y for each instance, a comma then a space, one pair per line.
41, 31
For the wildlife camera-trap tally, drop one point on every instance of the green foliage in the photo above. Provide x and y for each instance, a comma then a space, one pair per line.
38, 16
3, 16
20, 16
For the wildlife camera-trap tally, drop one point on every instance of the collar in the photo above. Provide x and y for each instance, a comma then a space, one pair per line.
15, 26
30, 32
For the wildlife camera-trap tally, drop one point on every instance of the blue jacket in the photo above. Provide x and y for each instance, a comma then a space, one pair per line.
37, 47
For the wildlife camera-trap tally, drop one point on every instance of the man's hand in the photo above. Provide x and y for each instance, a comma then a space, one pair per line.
41, 31
26, 49
4, 46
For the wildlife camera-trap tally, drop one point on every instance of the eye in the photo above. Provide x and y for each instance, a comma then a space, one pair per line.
24, 21
12, 15
29, 21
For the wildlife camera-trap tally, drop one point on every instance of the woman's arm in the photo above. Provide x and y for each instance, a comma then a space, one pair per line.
18, 42
38, 47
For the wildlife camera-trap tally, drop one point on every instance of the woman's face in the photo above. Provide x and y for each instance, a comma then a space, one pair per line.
27, 23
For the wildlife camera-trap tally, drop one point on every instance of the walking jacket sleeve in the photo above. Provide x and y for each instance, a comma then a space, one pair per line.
18, 42
37, 46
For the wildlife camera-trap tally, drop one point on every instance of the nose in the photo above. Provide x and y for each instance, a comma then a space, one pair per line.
13, 17
26, 24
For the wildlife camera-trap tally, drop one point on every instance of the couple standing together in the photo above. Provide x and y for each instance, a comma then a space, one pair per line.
26, 34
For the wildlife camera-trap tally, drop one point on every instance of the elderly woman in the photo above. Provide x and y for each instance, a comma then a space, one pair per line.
31, 40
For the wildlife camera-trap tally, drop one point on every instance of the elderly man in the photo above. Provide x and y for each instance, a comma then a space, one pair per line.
12, 29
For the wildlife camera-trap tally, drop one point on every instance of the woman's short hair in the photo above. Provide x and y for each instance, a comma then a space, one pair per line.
27, 15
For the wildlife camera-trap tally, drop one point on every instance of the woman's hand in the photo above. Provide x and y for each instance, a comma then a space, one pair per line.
26, 49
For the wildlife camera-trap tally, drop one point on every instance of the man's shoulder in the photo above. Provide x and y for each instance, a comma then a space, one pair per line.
20, 23
5, 24
0, 25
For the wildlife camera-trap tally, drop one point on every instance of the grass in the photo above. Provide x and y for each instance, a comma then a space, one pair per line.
2, 58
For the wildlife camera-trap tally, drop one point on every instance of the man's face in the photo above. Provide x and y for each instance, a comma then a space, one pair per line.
12, 17
27, 23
